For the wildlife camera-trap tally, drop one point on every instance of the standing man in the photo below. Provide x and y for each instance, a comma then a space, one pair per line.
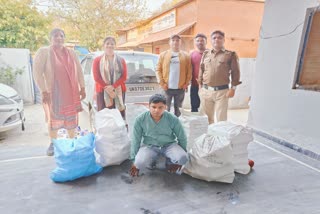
216, 67
174, 72
200, 42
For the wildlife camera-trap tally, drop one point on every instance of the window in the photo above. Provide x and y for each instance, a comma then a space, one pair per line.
149, 63
141, 67
308, 67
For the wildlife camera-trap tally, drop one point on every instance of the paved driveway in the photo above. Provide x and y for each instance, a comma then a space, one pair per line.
282, 182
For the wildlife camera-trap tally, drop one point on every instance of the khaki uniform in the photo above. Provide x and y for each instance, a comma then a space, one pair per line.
216, 68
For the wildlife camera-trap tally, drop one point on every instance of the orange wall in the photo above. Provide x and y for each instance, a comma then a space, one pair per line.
186, 13
240, 20
186, 43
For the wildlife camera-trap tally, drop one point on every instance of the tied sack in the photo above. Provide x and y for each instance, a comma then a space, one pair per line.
239, 137
112, 141
195, 124
134, 110
74, 158
210, 159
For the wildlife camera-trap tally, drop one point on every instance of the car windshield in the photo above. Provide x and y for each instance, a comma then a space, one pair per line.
141, 67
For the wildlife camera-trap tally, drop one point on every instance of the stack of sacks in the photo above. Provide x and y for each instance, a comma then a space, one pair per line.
74, 158
240, 137
112, 141
195, 124
132, 111
210, 159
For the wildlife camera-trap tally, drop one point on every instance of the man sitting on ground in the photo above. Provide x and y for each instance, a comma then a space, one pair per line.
161, 133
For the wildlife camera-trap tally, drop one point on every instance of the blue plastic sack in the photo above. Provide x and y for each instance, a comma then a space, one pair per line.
74, 158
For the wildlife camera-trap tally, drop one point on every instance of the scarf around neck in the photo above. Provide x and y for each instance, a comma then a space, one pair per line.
110, 76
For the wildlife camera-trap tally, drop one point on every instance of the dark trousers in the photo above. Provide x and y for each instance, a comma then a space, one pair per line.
194, 98
178, 97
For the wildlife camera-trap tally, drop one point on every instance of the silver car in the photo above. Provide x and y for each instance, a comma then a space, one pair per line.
142, 80
11, 109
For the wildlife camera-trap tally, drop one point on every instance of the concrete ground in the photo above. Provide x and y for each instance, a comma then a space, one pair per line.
282, 181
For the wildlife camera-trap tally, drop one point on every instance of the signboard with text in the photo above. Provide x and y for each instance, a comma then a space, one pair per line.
166, 21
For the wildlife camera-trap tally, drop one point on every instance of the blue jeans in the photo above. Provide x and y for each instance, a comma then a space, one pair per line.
147, 156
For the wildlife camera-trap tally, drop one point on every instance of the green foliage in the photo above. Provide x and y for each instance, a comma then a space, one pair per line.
21, 25
9, 74
166, 5
89, 21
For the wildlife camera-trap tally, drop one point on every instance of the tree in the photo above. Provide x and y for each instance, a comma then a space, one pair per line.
166, 5
89, 21
9, 74
21, 25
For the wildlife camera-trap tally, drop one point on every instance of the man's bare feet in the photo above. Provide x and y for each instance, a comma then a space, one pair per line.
173, 168
134, 171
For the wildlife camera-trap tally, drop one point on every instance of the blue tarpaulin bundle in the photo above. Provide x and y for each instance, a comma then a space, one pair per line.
74, 158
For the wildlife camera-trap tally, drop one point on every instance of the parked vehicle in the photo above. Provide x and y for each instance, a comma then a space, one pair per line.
11, 109
142, 80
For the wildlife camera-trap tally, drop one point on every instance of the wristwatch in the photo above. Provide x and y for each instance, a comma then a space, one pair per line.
234, 87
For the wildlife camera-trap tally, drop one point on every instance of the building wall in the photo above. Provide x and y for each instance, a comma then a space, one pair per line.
20, 59
186, 43
187, 13
276, 108
148, 49
161, 46
240, 20
240, 100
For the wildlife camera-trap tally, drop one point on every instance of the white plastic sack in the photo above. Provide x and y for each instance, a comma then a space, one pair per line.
232, 131
132, 111
195, 124
210, 159
112, 141
239, 137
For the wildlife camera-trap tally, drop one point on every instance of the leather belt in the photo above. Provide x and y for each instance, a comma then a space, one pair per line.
215, 88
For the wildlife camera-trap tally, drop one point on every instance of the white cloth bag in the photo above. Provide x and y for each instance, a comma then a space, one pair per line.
112, 145
239, 137
195, 124
132, 111
210, 159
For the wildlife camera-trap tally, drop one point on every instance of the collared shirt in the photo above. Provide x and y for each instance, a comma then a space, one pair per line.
195, 61
166, 131
216, 67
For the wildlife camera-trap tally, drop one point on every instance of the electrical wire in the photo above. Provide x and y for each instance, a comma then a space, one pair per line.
280, 35
289, 33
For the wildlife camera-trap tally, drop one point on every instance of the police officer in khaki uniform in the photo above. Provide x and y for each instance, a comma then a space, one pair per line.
216, 67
